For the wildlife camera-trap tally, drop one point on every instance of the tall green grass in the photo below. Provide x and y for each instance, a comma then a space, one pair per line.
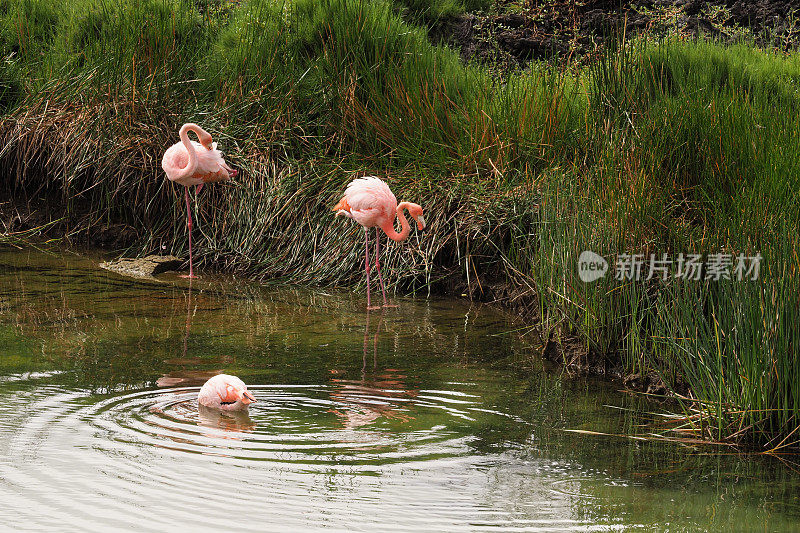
671, 148
697, 154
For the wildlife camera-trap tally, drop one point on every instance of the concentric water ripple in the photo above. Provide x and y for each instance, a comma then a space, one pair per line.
309, 425
344, 456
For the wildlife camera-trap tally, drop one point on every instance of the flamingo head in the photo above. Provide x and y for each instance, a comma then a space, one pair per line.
225, 392
342, 209
205, 139
233, 394
416, 213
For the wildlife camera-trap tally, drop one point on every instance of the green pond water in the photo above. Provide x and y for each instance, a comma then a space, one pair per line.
427, 417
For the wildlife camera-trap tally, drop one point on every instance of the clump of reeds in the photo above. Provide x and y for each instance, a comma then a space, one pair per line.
691, 158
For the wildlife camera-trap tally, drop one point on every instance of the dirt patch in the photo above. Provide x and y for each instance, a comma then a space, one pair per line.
511, 36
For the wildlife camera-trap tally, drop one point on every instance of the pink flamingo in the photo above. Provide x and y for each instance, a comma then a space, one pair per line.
194, 163
370, 202
224, 392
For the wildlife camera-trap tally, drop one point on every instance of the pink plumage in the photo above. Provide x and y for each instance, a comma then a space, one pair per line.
211, 165
370, 202
225, 392
194, 163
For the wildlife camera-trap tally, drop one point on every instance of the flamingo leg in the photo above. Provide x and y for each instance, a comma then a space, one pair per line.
378, 263
366, 265
189, 227
197, 190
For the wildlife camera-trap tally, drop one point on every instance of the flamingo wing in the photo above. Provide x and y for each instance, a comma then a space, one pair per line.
370, 201
211, 166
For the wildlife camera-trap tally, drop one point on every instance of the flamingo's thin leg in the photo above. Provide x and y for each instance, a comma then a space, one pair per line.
189, 226
366, 263
197, 190
378, 263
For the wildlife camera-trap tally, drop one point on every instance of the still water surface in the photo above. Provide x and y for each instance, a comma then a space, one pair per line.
430, 416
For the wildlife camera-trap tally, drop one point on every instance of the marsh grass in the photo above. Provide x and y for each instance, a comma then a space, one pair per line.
671, 148
700, 162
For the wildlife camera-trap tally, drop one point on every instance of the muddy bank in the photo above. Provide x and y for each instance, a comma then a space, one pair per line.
46, 219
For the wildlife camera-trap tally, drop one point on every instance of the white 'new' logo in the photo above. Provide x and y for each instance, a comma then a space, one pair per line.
591, 266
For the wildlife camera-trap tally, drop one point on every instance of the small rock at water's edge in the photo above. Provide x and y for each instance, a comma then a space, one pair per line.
144, 267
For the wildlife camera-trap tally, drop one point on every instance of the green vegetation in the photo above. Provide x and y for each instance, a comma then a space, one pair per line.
680, 147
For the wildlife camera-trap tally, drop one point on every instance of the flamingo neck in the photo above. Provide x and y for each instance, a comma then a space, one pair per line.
191, 167
388, 226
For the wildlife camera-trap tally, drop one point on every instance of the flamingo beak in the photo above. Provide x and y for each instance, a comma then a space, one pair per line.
233, 173
420, 223
247, 398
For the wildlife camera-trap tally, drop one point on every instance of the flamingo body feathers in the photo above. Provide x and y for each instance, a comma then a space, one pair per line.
225, 392
211, 166
368, 201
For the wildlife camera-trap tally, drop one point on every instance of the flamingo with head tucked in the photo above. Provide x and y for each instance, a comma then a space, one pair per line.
371, 203
224, 392
194, 163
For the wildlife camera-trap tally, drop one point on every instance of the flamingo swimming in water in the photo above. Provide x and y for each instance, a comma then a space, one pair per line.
371, 203
194, 163
224, 392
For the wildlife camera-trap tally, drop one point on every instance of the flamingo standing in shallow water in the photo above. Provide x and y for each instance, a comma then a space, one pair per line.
195, 163
370, 202
224, 392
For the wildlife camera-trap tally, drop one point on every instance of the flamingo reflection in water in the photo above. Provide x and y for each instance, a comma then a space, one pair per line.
380, 395
232, 421
185, 377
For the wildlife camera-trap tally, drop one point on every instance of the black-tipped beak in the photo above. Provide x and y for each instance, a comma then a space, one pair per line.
248, 398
